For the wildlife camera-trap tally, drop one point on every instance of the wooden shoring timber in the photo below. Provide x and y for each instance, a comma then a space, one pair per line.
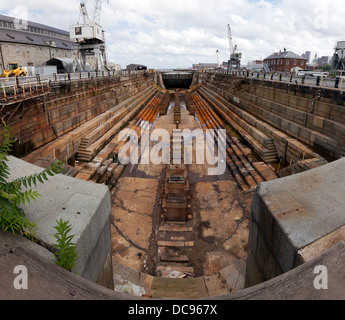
244, 173
255, 144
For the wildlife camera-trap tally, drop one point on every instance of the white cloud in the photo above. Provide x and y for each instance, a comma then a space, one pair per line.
177, 33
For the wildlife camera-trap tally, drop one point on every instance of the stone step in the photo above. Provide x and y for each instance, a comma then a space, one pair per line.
175, 243
181, 258
271, 159
175, 228
269, 153
84, 152
174, 288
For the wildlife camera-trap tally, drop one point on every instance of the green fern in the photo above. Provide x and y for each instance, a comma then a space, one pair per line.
66, 255
17, 192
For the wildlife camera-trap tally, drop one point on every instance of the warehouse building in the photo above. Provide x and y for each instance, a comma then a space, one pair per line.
33, 45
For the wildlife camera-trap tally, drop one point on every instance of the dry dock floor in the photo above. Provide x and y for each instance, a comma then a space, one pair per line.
214, 237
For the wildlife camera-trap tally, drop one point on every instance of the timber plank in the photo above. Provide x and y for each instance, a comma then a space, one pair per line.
48, 281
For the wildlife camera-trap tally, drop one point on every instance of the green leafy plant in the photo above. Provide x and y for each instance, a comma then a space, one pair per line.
67, 251
19, 191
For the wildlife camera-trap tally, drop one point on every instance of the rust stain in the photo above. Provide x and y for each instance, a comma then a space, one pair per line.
293, 213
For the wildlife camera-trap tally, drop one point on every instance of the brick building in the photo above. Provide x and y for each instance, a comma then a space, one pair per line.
284, 61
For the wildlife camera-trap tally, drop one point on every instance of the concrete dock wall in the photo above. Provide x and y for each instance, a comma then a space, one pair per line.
86, 205
295, 219
35, 123
310, 115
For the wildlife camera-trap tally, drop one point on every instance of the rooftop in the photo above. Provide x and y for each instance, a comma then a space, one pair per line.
34, 34
284, 55
35, 25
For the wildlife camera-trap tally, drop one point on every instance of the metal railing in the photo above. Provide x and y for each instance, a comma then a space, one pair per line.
16, 89
318, 81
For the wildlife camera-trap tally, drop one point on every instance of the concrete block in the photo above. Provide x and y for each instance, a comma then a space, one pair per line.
292, 100
261, 215
302, 104
322, 109
297, 211
264, 257
86, 205
318, 122
253, 236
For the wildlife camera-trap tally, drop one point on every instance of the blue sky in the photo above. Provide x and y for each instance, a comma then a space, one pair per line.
178, 33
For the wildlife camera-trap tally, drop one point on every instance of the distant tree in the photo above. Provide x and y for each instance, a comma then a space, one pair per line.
326, 67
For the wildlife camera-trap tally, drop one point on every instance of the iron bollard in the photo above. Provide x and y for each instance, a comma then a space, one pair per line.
336, 84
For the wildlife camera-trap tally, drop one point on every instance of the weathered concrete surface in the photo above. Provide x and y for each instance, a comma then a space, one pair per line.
295, 219
132, 211
86, 205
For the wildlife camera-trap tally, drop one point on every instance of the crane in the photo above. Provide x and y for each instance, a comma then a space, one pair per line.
218, 58
89, 39
84, 14
231, 43
97, 12
96, 15
235, 57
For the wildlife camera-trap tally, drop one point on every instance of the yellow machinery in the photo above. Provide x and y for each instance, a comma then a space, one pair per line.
14, 71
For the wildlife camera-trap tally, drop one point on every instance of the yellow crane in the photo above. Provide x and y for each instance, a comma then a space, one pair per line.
14, 71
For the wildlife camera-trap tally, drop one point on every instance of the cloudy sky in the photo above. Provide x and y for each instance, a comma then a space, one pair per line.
177, 33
